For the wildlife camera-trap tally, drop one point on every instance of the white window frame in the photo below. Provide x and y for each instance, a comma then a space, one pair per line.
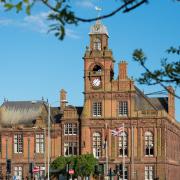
120, 139
18, 143
97, 109
18, 172
149, 144
149, 173
70, 146
97, 144
125, 174
70, 129
97, 44
40, 143
123, 108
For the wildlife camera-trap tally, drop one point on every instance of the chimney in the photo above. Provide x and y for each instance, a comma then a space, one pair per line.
123, 70
171, 102
63, 99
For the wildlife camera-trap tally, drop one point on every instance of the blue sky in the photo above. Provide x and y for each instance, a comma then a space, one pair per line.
36, 64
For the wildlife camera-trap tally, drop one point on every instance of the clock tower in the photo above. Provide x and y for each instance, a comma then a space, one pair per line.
98, 79
98, 61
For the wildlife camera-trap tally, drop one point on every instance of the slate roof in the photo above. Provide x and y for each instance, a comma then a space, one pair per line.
161, 103
25, 112
143, 102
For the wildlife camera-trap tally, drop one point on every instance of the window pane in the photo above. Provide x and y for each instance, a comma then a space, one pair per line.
125, 174
149, 144
149, 173
39, 143
97, 145
123, 108
18, 172
97, 109
97, 44
18, 143
121, 145
70, 148
70, 129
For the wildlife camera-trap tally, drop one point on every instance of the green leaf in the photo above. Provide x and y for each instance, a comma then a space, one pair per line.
62, 33
26, 1
28, 9
8, 6
19, 7
58, 5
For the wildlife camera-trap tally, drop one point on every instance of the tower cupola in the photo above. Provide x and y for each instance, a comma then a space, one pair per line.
98, 37
98, 28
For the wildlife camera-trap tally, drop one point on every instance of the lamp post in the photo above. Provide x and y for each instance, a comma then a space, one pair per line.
34, 128
49, 138
48, 105
44, 152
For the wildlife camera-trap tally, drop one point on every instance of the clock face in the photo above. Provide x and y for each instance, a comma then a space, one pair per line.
96, 82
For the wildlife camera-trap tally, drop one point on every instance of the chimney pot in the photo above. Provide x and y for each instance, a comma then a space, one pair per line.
171, 102
63, 99
123, 70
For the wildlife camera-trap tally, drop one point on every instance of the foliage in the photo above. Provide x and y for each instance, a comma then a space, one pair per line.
59, 164
61, 13
168, 74
83, 165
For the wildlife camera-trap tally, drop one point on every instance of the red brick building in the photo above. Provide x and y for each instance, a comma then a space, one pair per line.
150, 142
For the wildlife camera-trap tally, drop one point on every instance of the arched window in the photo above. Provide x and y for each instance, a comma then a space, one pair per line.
123, 144
149, 144
97, 68
96, 144
97, 44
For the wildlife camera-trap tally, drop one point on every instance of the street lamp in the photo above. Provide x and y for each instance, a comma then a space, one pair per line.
49, 137
47, 104
34, 128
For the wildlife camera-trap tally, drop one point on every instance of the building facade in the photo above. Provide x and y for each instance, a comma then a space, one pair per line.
148, 148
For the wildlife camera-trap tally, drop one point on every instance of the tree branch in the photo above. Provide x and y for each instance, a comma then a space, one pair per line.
159, 81
124, 6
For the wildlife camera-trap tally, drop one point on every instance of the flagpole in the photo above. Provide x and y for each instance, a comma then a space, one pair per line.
106, 152
123, 153
132, 131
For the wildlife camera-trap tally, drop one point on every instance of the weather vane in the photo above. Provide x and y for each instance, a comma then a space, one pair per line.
98, 9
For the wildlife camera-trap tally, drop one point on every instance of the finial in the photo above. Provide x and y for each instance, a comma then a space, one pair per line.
98, 9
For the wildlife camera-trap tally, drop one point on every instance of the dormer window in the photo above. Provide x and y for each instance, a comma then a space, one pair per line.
97, 44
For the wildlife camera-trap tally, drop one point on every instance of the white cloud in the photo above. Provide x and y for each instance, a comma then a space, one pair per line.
5, 22
37, 23
86, 4
70, 33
